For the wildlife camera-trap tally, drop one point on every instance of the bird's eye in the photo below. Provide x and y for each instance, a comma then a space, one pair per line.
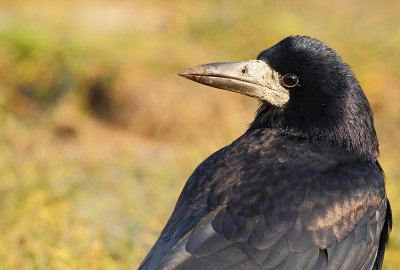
290, 80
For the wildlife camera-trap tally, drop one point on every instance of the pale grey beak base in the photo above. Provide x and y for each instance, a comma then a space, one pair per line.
253, 78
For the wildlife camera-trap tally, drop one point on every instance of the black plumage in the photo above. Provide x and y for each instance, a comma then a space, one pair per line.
301, 189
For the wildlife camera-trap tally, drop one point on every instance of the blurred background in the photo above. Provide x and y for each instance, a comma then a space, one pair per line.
98, 134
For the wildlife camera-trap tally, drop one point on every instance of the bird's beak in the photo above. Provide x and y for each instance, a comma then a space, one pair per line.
253, 78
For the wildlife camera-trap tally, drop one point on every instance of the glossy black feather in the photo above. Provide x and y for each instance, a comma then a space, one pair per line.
272, 213
301, 189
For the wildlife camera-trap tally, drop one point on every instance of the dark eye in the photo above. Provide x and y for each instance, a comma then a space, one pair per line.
290, 80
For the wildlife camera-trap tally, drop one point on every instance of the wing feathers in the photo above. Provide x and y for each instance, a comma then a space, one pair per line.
235, 213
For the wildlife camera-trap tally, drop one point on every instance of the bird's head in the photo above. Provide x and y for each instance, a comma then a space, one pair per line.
305, 89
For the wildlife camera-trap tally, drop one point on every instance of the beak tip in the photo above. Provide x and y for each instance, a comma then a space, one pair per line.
186, 73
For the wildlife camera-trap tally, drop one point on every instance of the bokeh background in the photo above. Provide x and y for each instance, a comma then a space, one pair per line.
98, 134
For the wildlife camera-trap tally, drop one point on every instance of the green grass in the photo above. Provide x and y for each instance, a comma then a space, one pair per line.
77, 205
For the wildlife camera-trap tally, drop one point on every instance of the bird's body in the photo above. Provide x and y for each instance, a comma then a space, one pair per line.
301, 189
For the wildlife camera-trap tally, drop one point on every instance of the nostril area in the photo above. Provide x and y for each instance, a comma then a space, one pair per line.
244, 70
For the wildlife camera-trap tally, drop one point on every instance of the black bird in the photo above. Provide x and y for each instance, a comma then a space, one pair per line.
300, 189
